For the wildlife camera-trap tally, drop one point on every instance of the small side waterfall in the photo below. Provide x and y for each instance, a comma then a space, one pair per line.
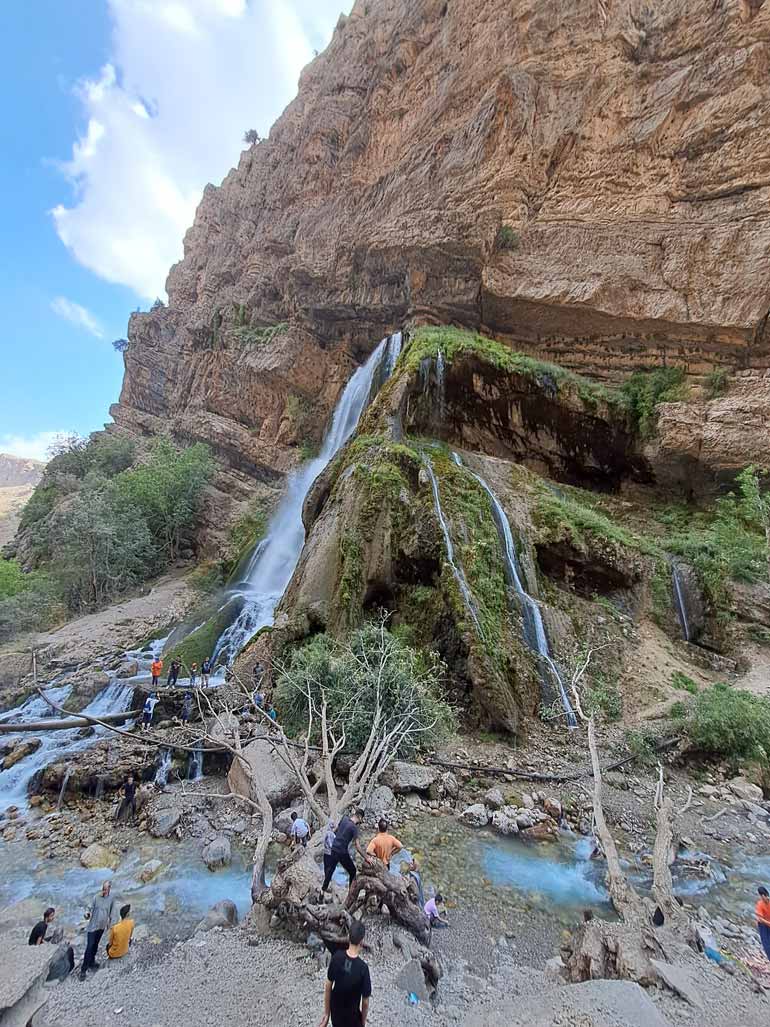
164, 768
679, 601
457, 571
63, 789
441, 383
195, 765
534, 629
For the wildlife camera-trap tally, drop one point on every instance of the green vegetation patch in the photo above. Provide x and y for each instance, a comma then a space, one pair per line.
683, 683
644, 390
200, 644
729, 723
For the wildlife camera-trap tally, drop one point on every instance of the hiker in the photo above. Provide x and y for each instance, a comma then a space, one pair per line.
271, 713
433, 913
345, 835
129, 798
331, 830
99, 918
257, 674
120, 935
762, 911
186, 707
205, 671
299, 832
348, 984
384, 846
37, 935
173, 673
415, 878
148, 709
156, 670
258, 698
193, 675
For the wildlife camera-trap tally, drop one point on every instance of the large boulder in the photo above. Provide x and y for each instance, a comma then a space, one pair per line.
744, 789
25, 748
476, 815
217, 853
163, 822
278, 781
223, 914
404, 777
97, 855
22, 982
380, 802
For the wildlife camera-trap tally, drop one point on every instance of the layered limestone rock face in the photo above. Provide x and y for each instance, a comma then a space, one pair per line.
590, 184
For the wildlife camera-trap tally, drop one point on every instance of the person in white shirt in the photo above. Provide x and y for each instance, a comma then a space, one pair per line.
300, 830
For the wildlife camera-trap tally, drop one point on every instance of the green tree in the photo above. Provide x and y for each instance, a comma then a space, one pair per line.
11, 578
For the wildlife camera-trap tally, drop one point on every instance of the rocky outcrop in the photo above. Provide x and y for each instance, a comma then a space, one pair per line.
279, 782
591, 186
17, 471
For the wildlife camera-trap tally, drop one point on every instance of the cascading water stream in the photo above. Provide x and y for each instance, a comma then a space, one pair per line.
164, 768
681, 605
534, 629
195, 765
457, 571
275, 559
63, 789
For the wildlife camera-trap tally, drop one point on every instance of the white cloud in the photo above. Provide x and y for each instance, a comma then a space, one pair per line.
167, 114
78, 315
31, 447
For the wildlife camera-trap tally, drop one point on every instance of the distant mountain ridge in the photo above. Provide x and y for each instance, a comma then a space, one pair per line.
15, 470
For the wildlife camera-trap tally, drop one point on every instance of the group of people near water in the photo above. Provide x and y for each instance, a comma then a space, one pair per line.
102, 916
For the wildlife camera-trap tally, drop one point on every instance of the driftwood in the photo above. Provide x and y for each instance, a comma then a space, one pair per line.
392, 890
63, 724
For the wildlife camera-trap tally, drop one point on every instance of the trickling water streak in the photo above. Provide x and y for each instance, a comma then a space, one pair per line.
457, 571
270, 570
534, 629
681, 608
441, 383
393, 352
164, 767
195, 766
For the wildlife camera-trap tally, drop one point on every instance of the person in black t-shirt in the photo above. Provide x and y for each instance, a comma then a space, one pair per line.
345, 836
37, 937
129, 799
348, 984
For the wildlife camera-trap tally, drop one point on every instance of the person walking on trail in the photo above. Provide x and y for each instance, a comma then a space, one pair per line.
148, 709
433, 913
156, 670
299, 833
37, 935
193, 675
186, 707
762, 912
345, 835
348, 984
128, 802
384, 846
173, 673
119, 937
100, 917
205, 671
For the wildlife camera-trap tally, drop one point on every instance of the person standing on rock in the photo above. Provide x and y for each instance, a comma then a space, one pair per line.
193, 675
762, 912
129, 799
173, 673
384, 846
37, 936
331, 830
299, 831
120, 935
345, 835
156, 670
186, 707
348, 983
101, 915
205, 671
149, 708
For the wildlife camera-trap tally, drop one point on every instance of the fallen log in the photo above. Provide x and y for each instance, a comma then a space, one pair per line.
64, 724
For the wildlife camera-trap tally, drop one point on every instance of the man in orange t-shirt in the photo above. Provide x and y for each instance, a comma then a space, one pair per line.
384, 846
156, 670
762, 911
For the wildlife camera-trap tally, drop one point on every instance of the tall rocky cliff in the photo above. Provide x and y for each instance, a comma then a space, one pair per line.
588, 180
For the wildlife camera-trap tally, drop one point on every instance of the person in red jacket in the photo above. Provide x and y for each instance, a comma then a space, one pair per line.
156, 670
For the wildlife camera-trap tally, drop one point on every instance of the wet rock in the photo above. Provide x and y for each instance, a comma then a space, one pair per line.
129, 669
97, 855
545, 831
552, 807
163, 822
504, 821
25, 748
217, 853
494, 798
476, 815
404, 777
150, 870
223, 914
743, 789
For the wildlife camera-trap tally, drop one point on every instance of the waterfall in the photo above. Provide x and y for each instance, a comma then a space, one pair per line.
270, 569
534, 629
195, 765
457, 571
681, 606
164, 767
441, 383
392, 353
63, 789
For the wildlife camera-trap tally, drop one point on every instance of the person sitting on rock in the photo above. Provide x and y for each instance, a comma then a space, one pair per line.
173, 673
37, 936
129, 799
299, 833
205, 671
119, 938
149, 708
384, 846
345, 835
156, 670
433, 913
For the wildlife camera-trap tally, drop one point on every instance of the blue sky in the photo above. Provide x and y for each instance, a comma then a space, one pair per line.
118, 114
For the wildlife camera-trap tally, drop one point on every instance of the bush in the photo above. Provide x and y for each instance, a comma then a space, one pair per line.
729, 723
683, 683
644, 390
506, 238
349, 674
604, 699
11, 579
716, 383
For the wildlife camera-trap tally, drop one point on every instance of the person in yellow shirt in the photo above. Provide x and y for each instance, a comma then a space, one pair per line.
120, 935
384, 846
